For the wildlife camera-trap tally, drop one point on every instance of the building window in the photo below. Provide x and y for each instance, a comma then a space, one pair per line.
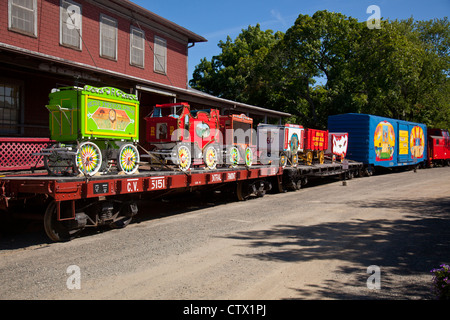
22, 16
137, 45
160, 55
70, 24
10, 107
108, 37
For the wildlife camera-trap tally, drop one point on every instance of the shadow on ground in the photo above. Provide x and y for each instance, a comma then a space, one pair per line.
405, 249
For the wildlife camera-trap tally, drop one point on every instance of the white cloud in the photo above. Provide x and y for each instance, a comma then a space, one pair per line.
279, 18
222, 34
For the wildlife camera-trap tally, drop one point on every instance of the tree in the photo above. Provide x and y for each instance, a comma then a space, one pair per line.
236, 73
434, 107
329, 63
402, 73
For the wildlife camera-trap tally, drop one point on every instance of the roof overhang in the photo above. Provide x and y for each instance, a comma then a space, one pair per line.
47, 62
147, 17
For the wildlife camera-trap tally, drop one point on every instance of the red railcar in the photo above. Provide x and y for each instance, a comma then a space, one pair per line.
438, 147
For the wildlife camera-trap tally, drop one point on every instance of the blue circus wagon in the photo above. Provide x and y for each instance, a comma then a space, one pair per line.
383, 142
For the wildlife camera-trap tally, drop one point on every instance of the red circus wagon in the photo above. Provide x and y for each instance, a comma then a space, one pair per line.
280, 144
184, 137
337, 145
237, 139
316, 143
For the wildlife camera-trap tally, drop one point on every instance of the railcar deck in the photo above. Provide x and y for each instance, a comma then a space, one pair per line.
63, 188
75, 202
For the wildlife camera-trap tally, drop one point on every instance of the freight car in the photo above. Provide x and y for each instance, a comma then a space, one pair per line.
438, 147
384, 142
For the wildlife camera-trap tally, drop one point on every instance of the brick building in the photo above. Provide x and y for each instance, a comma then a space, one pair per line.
46, 44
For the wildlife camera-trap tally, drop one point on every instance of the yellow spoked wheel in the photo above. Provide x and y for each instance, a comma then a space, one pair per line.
184, 158
233, 157
294, 160
248, 157
88, 158
309, 158
283, 160
128, 160
321, 157
210, 157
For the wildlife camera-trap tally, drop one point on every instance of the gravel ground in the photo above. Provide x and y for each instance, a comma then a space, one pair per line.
316, 243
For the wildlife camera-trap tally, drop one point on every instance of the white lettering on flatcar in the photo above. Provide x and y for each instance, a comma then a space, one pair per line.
132, 185
215, 177
231, 176
157, 183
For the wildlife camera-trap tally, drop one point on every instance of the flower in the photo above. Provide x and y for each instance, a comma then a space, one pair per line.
441, 282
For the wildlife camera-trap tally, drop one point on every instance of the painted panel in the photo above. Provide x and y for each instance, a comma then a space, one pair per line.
384, 141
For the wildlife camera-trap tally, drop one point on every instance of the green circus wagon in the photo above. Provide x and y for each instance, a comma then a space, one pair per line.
95, 129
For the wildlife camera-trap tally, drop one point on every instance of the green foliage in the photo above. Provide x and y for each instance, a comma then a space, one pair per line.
329, 64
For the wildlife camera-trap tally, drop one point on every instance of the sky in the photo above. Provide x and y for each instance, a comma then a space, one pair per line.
215, 20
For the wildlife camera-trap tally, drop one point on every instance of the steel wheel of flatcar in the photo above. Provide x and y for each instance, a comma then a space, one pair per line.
88, 158
242, 192
183, 157
210, 157
248, 157
128, 159
58, 230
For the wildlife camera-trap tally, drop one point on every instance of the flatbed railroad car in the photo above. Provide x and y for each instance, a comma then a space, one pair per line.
73, 203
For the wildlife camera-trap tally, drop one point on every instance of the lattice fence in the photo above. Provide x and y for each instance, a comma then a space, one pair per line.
15, 153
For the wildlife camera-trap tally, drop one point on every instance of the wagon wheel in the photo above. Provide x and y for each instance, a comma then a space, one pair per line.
58, 165
283, 160
183, 157
128, 159
248, 157
233, 156
321, 157
309, 158
88, 158
210, 157
58, 230
294, 160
